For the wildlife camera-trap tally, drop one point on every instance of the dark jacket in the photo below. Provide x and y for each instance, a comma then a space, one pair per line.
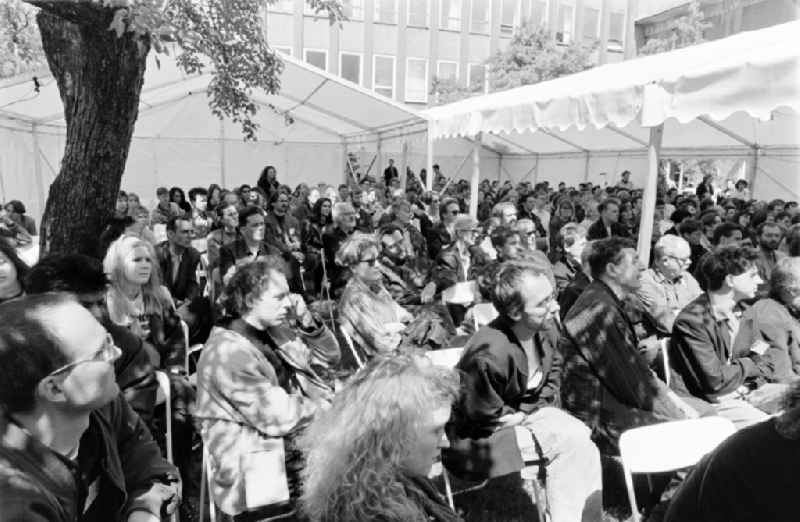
134, 369
606, 383
494, 370
332, 239
449, 269
597, 230
701, 354
438, 238
770, 321
232, 254
184, 286
571, 292
39, 485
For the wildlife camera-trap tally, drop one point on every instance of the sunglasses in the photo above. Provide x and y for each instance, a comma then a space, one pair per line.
107, 353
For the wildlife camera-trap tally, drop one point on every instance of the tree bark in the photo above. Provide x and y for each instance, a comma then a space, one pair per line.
99, 77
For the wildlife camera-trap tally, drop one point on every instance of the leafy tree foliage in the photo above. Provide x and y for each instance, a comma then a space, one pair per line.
532, 56
684, 31
97, 51
20, 46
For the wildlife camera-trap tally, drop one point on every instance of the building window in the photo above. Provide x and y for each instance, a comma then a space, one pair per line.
417, 13
386, 11
476, 82
446, 70
350, 67
383, 75
566, 23
317, 58
450, 15
417, 80
282, 6
591, 24
480, 19
616, 31
510, 17
353, 9
283, 50
538, 13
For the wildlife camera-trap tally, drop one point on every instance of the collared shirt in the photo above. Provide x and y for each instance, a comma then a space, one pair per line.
663, 299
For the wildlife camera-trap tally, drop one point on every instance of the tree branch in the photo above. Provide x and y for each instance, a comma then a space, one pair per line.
81, 12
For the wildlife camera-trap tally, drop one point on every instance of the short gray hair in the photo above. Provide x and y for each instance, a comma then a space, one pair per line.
670, 243
341, 208
785, 280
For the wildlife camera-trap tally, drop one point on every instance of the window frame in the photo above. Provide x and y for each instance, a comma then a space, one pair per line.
485, 88
277, 7
453, 62
360, 66
446, 27
424, 99
488, 9
597, 28
281, 49
315, 50
377, 10
426, 24
515, 22
545, 20
609, 45
560, 40
375, 74
360, 18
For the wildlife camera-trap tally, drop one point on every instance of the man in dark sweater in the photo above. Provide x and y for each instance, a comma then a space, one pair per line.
511, 381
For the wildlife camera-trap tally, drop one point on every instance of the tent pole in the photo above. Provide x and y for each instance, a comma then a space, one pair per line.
649, 197
476, 175
429, 159
222, 153
37, 169
586, 168
753, 171
378, 155
500, 166
404, 165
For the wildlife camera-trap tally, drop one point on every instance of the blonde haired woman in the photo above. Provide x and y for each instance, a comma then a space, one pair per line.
137, 300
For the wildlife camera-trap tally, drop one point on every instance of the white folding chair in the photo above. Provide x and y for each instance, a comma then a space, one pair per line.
194, 349
668, 446
665, 359
483, 314
350, 345
447, 357
163, 396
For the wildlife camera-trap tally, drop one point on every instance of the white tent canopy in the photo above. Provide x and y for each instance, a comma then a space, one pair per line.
177, 141
737, 98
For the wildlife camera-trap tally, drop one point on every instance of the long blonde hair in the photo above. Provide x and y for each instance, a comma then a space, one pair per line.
355, 451
155, 297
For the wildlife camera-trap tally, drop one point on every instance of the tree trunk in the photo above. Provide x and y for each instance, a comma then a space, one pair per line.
99, 78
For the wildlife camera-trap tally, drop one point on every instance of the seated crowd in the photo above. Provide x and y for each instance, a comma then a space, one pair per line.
297, 330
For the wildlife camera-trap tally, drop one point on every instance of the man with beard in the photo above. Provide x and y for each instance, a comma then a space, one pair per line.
405, 284
769, 238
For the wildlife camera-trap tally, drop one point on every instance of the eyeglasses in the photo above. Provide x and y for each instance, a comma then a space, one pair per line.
683, 261
107, 353
373, 261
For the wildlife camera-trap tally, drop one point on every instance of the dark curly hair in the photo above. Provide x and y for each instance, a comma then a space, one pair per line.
249, 281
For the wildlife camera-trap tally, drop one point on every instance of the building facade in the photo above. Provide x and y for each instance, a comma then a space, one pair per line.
396, 47
653, 18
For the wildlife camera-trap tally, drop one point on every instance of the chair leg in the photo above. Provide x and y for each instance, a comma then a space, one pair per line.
448, 491
631, 493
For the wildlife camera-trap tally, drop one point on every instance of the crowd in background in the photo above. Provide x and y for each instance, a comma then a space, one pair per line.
308, 307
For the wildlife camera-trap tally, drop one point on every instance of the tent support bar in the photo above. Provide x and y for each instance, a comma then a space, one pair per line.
37, 168
317, 126
716, 126
515, 144
325, 111
483, 145
565, 141
476, 175
649, 197
428, 157
626, 134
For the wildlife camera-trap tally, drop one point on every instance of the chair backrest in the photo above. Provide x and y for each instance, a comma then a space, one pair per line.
483, 314
343, 328
672, 445
447, 357
164, 391
665, 359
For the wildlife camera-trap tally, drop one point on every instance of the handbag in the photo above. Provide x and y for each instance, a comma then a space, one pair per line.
264, 474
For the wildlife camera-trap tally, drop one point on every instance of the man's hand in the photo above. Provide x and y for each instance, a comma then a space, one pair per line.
299, 311
427, 293
511, 419
160, 499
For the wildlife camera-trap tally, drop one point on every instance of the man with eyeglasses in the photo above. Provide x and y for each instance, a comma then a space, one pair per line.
442, 234
511, 377
83, 277
71, 448
667, 287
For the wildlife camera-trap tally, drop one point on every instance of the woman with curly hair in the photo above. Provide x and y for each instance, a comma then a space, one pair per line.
369, 455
